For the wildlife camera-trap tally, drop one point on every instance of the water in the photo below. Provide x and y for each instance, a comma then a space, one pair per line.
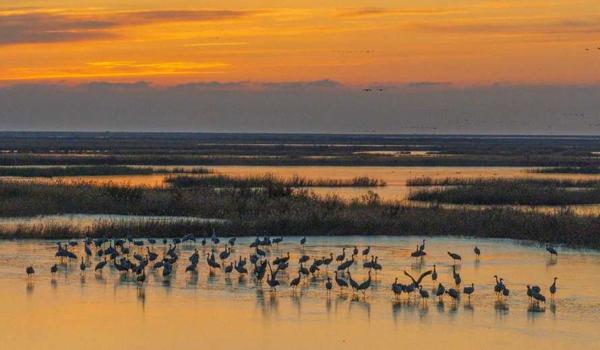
395, 178
220, 312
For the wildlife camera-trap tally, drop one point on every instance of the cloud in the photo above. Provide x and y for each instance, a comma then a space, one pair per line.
37, 26
381, 11
324, 83
548, 26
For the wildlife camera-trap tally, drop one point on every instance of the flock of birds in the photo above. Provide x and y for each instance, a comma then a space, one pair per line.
132, 258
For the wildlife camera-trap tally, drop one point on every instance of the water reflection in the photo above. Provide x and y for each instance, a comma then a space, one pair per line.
228, 301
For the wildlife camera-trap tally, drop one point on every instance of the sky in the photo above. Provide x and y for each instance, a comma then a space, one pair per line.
356, 66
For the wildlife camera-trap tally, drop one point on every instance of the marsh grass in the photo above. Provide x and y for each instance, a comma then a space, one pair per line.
225, 181
532, 192
276, 211
482, 181
568, 170
98, 170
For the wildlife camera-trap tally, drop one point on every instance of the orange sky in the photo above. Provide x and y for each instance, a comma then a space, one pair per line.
354, 42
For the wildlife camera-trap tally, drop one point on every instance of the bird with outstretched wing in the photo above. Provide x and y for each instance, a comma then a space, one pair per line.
417, 282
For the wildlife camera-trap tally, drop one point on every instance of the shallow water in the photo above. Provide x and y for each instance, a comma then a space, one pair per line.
395, 178
221, 312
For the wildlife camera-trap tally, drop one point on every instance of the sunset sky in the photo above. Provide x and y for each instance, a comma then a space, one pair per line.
53, 51
354, 42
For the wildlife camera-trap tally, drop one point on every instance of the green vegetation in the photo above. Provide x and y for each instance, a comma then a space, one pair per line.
510, 192
92, 171
276, 210
568, 170
268, 180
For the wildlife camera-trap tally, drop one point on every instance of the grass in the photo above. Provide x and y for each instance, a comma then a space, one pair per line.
98, 170
224, 181
568, 170
277, 210
481, 181
510, 192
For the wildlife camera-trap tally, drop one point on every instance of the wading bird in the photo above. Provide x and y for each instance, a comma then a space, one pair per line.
553, 288
454, 257
468, 290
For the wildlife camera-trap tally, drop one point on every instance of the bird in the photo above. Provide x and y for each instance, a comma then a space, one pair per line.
53, 269
353, 283
355, 251
539, 297
551, 250
296, 281
453, 293
229, 268
303, 241
340, 282
434, 274
423, 293
30, 271
422, 246
397, 288
553, 288
456, 276
342, 256
141, 278
364, 285
328, 285
440, 291
366, 251
82, 266
417, 282
454, 257
468, 290
99, 266
477, 252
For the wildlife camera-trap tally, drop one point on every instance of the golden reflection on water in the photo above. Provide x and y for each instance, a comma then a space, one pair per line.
222, 312
395, 178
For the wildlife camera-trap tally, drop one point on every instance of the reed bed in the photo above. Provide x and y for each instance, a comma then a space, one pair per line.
225, 181
568, 170
481, 181
98, 170
512, 192
276, 211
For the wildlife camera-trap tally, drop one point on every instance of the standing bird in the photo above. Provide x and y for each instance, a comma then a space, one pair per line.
366, 251
342, 256
424, 294
302, 242
477, 252
434, 274
453, 293
355, 251
551, 250
440, 291
456, 276
100, 265
30, 271
553, 288
469, 290
454, 257
82, 266
422, 246
53, 269
340, 282
328, 285
364, 285
296, 281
